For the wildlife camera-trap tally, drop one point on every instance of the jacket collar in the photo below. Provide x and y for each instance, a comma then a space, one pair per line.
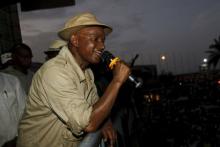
65, 52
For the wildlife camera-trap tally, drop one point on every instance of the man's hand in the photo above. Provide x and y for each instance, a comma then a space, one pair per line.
121, 72
109, 134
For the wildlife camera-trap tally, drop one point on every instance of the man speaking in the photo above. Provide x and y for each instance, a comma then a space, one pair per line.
63, 104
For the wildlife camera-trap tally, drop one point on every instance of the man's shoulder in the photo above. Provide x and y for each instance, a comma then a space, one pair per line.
55, 62
53, 67
5, 77
9, 70
12, 71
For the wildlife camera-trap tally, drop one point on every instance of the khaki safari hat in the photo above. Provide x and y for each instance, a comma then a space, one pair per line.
81, 21
55, 46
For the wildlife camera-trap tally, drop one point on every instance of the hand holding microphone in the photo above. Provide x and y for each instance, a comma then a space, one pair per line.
120, 69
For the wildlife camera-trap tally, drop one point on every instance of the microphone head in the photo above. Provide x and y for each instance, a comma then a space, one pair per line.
106, 58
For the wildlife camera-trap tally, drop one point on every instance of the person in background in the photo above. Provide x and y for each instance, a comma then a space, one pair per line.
6, 60
20, 64
54, 48
12, 104
63, 104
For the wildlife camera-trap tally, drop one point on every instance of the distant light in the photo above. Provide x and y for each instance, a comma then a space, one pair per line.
157, 97
218, 82
205, 60
163, 57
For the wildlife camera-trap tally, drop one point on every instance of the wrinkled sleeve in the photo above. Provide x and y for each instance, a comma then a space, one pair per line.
65, 99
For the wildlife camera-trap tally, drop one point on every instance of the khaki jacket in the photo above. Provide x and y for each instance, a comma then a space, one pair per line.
59, 104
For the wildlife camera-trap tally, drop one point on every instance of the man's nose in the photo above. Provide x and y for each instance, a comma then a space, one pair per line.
101, 46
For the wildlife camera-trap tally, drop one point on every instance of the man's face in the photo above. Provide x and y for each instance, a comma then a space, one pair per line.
91, 44
23, 58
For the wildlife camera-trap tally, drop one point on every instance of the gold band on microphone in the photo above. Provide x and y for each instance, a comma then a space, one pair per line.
113, 62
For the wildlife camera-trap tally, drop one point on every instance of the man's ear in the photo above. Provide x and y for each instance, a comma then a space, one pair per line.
74, 40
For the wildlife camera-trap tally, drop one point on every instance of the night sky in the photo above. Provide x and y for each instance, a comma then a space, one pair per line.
182, 30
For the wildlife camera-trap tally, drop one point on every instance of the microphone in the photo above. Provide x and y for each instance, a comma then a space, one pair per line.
110, 61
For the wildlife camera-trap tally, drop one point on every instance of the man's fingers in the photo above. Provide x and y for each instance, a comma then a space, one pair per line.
112, 142
115, 135
105, 136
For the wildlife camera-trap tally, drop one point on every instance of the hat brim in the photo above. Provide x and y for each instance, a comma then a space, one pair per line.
67, 32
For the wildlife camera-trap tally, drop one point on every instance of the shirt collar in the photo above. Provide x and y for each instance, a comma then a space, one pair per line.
65, 52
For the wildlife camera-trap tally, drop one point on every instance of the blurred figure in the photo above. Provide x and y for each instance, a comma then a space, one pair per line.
21, 63
54, 48
12, 103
